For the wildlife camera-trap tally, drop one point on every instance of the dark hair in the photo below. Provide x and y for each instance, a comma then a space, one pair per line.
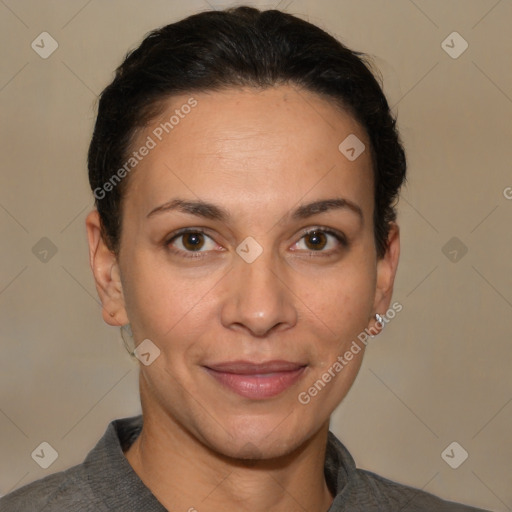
239, 47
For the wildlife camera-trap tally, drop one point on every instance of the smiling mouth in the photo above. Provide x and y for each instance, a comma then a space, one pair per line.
257, 380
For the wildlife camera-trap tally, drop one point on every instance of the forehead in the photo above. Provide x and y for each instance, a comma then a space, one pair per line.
277, 144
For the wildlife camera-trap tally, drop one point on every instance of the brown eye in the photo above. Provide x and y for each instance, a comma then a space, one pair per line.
315, 240
322, 241
193, 241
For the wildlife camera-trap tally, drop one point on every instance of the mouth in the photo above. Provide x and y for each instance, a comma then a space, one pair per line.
257, 380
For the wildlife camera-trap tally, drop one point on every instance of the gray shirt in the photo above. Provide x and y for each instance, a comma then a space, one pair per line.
105, 481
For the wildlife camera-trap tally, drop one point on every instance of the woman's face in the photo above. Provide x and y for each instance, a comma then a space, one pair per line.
247, 285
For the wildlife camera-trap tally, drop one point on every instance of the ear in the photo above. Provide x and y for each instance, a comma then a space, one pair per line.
386, 271
105, 269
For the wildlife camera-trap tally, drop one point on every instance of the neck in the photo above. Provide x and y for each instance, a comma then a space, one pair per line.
186, 475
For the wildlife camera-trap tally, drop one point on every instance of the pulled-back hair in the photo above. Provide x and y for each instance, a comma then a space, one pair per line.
235, 48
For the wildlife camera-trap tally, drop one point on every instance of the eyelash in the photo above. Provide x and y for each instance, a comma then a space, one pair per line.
200, 254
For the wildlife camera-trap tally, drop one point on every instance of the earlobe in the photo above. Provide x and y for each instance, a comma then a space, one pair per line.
386, 272
105, 269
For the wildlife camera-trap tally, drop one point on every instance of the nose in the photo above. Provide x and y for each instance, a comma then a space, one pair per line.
259, 298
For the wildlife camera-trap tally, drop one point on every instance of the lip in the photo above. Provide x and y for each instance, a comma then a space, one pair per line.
257, 380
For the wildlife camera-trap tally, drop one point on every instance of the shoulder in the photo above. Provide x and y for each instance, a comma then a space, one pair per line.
102, 479
64, 491
408, 499
361, 490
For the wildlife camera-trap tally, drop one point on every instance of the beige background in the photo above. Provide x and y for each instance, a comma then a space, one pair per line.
439, 373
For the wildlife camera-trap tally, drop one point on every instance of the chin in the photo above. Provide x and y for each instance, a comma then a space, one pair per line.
260, 438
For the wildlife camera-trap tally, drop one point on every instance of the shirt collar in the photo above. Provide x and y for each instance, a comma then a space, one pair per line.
111, 476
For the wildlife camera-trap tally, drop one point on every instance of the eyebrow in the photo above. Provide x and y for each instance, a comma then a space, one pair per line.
214, 212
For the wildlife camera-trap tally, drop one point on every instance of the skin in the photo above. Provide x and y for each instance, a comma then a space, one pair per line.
259, 155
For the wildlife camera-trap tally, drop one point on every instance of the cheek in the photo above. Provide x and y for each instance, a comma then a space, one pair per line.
343, 299
154, 298
166, 303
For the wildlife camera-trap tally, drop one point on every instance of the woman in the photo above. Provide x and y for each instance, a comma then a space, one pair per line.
245, 166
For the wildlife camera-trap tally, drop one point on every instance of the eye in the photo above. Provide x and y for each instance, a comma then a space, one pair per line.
194, 242
321, 240
190, 241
